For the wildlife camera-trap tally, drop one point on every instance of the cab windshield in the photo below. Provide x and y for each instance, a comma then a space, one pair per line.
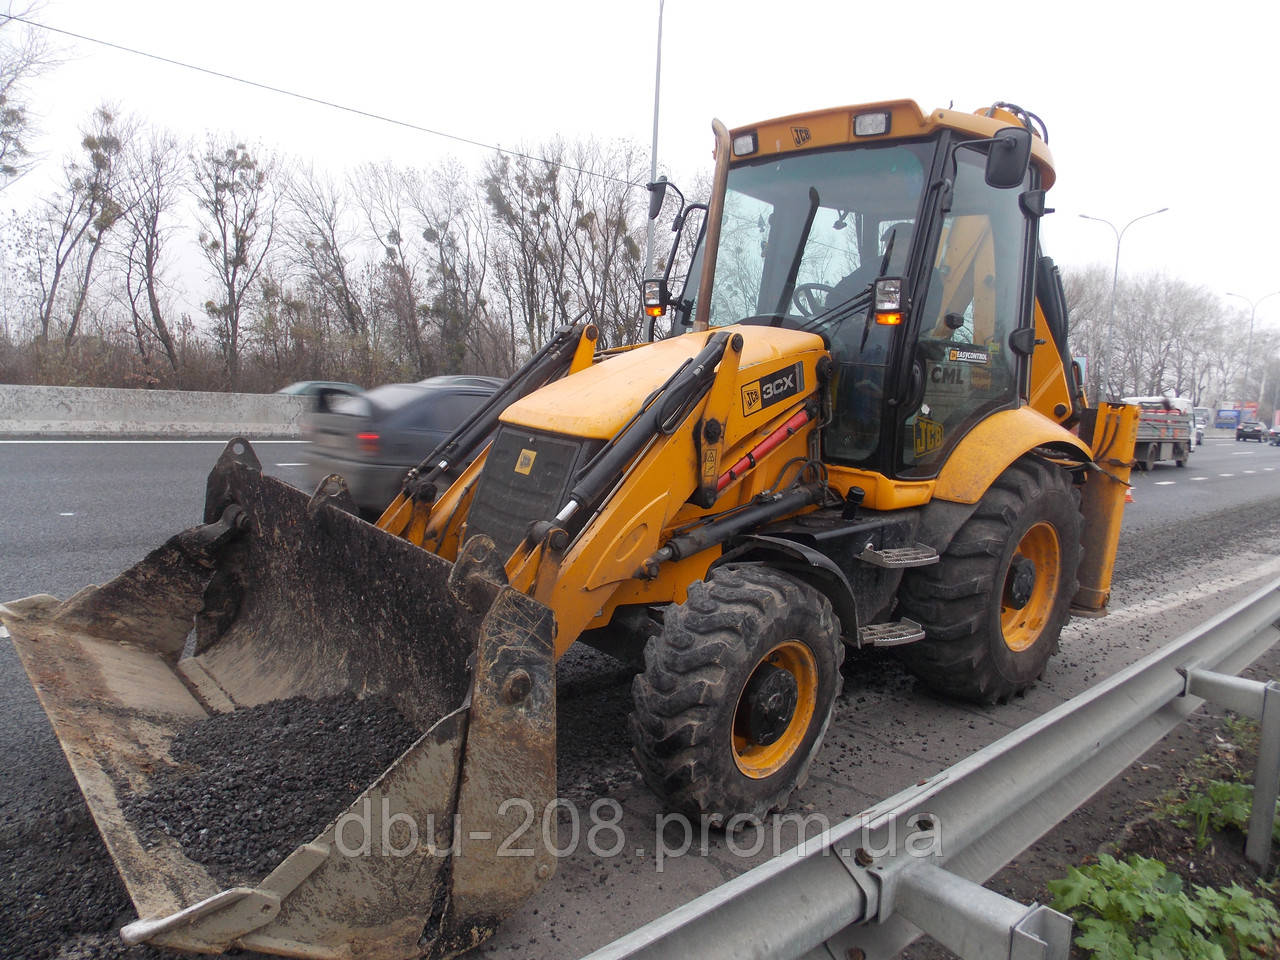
804, 235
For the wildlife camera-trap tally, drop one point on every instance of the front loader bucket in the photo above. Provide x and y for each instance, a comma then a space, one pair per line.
280, 596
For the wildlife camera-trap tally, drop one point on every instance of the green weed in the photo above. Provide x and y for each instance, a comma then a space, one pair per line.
1137, 910
1217, 804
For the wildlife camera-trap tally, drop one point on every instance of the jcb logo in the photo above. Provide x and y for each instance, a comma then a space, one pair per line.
928, 436
771, 388
524, 462
800, 135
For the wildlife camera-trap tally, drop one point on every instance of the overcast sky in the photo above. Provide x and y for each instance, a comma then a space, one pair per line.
1148, 105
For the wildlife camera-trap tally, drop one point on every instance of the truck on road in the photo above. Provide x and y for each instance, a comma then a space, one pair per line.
1166, 431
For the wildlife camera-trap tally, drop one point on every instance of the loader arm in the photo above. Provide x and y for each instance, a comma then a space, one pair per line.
672, 432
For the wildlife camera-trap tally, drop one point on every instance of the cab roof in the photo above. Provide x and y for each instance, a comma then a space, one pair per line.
835, 126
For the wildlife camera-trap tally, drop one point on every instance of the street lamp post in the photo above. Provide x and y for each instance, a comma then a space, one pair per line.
1248, 350
1115, 277
653, 151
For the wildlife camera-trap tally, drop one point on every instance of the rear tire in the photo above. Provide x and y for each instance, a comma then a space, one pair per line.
747, 637
995, 604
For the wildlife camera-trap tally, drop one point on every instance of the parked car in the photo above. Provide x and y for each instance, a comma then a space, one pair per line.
1253, 430
373, 439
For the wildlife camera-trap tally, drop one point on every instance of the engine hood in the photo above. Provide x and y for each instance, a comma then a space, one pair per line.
596, 402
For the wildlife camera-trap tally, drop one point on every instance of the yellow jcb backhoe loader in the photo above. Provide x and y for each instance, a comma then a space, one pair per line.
863, 429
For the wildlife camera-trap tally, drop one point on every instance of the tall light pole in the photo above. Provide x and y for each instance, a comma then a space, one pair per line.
1115, 277
653, 151
1248, 350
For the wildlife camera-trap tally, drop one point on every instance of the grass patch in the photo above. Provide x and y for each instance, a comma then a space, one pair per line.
1137, 909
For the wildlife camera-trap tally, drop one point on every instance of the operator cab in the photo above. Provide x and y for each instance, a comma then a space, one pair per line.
806, 233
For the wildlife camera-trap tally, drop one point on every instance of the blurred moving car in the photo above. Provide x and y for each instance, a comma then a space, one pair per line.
373, 439
1252, 430
1198, 427
1275, 436
315, 388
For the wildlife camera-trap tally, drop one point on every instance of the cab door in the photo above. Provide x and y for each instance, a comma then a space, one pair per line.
975, 299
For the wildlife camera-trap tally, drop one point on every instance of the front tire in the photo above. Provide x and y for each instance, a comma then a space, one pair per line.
736, 695
995, 604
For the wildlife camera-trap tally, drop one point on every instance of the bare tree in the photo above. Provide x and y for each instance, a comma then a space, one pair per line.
380, 192
320, 238
77, 219
529, 258
25, 53
455, 234
605, 239
152, 189
236, 193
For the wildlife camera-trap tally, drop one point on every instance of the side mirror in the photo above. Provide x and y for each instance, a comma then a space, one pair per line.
655, 296
657, 193
1008, 158
888, 301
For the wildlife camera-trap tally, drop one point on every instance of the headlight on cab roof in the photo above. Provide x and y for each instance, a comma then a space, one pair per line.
871, 124
744, 144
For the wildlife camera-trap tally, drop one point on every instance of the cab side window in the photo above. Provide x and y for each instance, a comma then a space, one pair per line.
967, 316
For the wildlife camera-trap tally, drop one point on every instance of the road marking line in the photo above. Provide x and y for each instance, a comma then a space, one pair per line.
1199, 478
290, 464
1251, 471
1165, 483
66, 514
1226, 474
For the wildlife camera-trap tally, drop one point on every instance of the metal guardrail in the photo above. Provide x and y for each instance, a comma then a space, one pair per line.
866, 888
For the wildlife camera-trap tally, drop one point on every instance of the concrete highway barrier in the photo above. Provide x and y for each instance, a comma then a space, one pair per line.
31, 412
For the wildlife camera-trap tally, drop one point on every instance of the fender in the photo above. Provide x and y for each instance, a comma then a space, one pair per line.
812, 566
995, 443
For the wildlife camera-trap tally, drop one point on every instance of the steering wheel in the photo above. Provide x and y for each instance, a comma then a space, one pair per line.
806, 300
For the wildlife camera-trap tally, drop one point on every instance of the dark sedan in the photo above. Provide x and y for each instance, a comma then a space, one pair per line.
372, 440
1253, 430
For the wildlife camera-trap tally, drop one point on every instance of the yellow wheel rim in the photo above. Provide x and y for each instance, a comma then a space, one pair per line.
1022, 627
758, 760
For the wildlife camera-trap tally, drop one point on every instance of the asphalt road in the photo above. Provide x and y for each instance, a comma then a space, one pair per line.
1196, 540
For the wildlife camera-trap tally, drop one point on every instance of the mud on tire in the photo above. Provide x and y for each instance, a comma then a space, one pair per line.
980, 644
696, 738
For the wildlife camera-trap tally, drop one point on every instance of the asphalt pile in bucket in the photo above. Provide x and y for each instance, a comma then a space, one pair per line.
251, 785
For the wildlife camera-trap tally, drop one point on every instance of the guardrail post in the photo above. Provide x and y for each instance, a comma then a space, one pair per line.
972, 921
1266, 781
1261, 702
